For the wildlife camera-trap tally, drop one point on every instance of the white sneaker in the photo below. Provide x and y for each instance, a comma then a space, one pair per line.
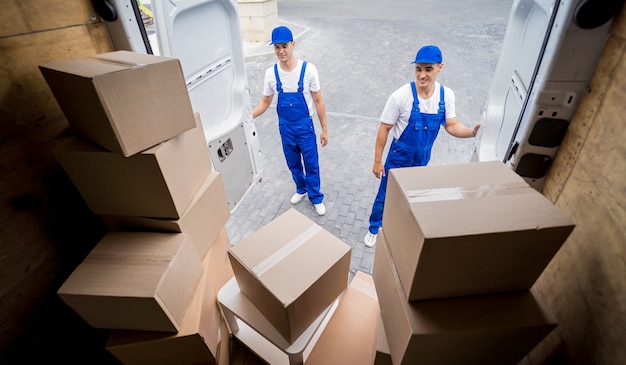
320, 208
297, 198
370, 239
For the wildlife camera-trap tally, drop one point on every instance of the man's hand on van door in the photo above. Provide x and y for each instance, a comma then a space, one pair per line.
475, 130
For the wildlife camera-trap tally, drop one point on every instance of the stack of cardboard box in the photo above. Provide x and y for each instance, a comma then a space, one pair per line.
140, 160
291, 271
460, 249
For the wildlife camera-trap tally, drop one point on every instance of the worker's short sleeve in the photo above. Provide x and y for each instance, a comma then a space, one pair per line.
398, 106
450, 103
269, 82
313, 77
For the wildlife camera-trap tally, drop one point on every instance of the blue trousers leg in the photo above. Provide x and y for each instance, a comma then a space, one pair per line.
312, 168
300, 149
294, 163
376, 218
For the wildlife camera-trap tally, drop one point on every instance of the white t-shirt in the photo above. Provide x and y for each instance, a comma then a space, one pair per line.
290, 82
397, 110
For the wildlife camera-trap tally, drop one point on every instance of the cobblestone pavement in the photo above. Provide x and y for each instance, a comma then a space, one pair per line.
363, 50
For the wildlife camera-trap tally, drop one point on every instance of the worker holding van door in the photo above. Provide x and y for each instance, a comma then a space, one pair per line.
413, 114
299, 93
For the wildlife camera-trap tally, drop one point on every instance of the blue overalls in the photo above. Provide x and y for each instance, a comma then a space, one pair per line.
298, 138
412, 149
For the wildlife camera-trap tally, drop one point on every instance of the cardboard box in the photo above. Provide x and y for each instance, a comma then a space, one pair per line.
135, 280
292, 269
351, 334
123, 101
383, 354
159, 182
202, 220
252, 329
203, 338
468, 229
497, 329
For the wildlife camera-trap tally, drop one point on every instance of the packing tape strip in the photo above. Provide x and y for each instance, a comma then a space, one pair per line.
458, 193
265, 265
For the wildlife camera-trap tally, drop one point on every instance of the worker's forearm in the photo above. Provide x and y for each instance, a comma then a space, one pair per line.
460, 130
258, 110
261, 107
381, 141
320, 108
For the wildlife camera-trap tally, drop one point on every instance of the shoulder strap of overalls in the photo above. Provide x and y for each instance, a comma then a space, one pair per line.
442, 105
416, 102
279, 85
301, 81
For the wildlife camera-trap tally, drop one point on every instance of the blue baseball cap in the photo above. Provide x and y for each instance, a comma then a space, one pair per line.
428, 54
281, 34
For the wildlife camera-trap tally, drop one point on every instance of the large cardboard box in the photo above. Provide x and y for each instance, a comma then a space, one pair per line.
159, 182
292, 269
203, 338
123, 101
468, 229
350, 336
203, 220
496, 329
135, 280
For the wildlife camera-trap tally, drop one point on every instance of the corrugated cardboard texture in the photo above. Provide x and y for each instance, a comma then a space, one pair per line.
123, 101
203, 335
135, 280
487, 329
202, 221
292, 269
351, 334
469, 229
160, 182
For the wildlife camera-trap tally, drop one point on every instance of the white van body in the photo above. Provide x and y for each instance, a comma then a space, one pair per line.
549, 54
